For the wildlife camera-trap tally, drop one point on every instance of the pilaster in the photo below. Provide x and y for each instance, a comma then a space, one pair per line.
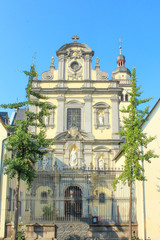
61, 72
60, 114
87, 67
88, 114
115, 117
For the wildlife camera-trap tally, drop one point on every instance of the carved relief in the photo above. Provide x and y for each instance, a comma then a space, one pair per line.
101, 75
74, 53
48, 75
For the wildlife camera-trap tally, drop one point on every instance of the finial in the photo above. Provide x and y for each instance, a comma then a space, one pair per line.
120, 46
97, 60
52, 63
97, 66
52, 60
75, 38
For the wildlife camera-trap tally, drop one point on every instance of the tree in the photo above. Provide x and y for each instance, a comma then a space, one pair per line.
26, 146
135, 140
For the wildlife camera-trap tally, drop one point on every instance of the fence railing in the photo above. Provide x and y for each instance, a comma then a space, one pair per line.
71, 195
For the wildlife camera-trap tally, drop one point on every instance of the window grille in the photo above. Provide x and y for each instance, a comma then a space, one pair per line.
73, 118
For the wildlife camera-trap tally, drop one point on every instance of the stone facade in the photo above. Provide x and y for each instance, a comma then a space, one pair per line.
75, 178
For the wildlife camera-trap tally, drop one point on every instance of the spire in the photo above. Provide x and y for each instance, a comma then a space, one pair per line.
120, 46
120, 58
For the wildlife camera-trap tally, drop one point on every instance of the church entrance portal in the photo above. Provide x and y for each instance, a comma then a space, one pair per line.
73, 202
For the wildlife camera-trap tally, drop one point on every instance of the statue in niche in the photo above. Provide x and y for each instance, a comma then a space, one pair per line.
45, 162
100, 118
73, 157
101, 163
46, 120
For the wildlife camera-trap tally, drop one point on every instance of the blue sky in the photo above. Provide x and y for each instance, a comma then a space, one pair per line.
40, 26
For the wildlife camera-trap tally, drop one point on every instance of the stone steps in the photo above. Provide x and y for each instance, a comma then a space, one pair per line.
72, 231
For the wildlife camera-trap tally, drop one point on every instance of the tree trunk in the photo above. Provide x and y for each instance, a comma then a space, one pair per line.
130, 212
16, 216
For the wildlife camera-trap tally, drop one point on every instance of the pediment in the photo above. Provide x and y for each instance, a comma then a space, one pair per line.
101, 149
101, 105
82, 46
73, 134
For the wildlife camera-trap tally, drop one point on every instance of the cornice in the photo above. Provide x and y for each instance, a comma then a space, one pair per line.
82, 90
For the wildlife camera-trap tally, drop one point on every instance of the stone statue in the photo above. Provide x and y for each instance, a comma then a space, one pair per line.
73, 158
46, 120
45, 162
100, 117
101, 163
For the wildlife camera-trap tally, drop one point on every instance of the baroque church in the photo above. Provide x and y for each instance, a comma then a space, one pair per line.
74, 180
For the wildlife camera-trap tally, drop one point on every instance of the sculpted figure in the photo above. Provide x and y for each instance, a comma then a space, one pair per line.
46, 120
45, 162
100, 117
101, 163
73, 158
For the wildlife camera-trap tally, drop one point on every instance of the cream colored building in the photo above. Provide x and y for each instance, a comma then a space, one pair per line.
148, 193
3, 178
75, 178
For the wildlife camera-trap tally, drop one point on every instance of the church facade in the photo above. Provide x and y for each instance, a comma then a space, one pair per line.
75, 178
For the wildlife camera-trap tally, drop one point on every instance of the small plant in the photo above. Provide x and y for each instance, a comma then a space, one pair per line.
48, 213
21, 233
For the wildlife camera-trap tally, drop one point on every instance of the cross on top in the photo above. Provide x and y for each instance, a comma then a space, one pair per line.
75, 37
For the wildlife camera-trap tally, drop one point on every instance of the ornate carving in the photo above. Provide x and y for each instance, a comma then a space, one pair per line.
48, 75
101, 75
74, 53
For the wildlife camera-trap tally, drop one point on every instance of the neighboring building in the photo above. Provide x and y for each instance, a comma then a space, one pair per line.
148, 192
3, 178
74, 182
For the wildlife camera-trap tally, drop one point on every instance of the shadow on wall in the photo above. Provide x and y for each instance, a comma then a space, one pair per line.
158, 186
59, 164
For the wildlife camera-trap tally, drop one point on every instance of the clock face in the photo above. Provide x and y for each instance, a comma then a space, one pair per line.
75, 66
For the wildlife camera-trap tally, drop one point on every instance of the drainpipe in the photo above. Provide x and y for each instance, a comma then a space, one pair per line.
144, 203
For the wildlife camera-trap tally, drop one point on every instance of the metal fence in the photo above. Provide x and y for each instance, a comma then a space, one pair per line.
71, 195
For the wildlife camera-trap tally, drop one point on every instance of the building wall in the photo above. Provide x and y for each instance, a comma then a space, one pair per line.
152, 185
3, 183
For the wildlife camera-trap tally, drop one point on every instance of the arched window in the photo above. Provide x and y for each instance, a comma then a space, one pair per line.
43, 198
126, 97
74, 118
102, 197
122, 97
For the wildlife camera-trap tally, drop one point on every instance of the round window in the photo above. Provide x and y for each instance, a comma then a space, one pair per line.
75, 66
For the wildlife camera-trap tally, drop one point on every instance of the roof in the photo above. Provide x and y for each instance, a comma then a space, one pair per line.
19, 115
122, 69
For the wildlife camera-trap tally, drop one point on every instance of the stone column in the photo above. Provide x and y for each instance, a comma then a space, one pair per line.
60, 114
115, 117
88, 114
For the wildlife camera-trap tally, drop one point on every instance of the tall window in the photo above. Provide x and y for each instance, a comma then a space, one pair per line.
73, 118
102, 197
43, 198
